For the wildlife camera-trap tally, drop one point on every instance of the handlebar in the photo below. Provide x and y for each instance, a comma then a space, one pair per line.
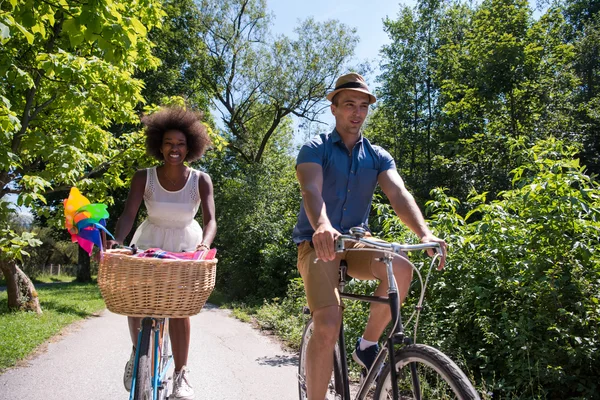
133, 248
392, 247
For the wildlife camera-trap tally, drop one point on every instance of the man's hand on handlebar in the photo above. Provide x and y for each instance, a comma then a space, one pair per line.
431, 238
322, 240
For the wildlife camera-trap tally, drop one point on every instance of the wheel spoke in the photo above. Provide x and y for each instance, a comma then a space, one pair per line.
437, 376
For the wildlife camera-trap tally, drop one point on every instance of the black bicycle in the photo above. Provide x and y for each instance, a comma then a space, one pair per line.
420, 372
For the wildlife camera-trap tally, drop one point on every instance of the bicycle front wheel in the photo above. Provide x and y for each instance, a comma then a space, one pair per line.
143, 381
335, 390
437, 376
165, 363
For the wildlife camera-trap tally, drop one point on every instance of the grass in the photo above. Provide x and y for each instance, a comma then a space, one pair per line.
271, 317
44, 278
47, 278
242, 313
23, 332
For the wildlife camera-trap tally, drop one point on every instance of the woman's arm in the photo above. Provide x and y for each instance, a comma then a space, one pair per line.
209, 220
132, 205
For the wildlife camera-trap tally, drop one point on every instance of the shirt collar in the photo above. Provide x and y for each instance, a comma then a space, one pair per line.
335, 137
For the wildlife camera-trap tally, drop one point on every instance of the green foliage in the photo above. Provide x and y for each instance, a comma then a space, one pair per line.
256, 211
12, 245
518, 300
15, 242
285, 317
66, 69
179, 46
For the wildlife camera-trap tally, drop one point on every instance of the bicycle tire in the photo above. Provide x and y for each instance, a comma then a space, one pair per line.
439, 376
335, 389
143, 382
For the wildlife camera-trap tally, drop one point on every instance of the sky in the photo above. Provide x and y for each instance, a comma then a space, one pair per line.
366, 16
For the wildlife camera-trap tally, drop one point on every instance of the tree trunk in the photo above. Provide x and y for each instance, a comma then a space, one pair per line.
21, 292
83, 272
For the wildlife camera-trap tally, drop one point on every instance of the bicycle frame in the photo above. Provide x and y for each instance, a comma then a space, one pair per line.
162, 358
396, 335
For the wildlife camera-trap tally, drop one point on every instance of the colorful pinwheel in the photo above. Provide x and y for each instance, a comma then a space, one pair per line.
84, 221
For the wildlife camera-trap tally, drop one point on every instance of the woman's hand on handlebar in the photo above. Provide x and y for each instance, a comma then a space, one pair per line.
431, 238
323, 240
111, 244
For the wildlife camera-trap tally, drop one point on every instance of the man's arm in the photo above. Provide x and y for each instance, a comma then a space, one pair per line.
310, 176
406, 208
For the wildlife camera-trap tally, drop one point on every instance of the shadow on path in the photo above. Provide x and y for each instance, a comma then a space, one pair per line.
278, 361
44, 285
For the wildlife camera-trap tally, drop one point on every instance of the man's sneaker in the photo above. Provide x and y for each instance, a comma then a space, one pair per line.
182, 390
128, 374
366, 357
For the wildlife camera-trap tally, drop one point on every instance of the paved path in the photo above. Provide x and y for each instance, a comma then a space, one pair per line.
229, 360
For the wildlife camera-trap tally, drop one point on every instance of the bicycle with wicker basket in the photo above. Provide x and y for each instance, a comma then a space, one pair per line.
155, 289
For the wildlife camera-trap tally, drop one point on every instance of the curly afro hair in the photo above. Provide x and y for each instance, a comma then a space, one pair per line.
175, 118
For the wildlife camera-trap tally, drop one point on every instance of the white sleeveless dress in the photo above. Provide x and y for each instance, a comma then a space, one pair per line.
170, 225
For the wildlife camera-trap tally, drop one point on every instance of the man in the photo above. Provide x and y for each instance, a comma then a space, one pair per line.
338, 174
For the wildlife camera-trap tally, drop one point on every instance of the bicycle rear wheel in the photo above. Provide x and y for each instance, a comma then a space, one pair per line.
143, 381
438, 376
335, 389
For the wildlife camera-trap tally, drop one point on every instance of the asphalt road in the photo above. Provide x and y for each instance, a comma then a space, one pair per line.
228, 360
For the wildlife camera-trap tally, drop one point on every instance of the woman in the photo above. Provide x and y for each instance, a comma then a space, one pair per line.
172, 193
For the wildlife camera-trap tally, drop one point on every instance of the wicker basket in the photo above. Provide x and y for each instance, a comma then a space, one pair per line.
155, 287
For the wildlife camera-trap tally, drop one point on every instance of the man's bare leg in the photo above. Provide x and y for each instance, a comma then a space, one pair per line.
319, 352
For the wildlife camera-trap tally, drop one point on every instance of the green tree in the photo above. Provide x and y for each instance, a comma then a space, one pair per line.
179, 46
459, 80
66, 69
256, 212
407, 121
584, 32
253, 77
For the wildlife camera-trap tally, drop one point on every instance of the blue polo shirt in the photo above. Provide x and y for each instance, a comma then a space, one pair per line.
349, 180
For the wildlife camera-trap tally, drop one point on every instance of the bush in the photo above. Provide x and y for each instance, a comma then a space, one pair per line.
51, 251
518, 300
285, 317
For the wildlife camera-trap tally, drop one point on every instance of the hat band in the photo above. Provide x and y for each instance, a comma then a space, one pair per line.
353, 85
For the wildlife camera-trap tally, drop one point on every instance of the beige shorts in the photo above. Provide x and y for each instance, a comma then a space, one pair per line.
321, 278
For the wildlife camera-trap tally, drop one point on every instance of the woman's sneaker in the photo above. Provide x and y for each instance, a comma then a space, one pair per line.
182, 390
128, 374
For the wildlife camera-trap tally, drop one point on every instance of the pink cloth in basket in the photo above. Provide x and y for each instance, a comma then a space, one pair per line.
194, 256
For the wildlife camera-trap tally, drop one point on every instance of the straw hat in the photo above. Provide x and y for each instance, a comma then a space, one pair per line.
351, 81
